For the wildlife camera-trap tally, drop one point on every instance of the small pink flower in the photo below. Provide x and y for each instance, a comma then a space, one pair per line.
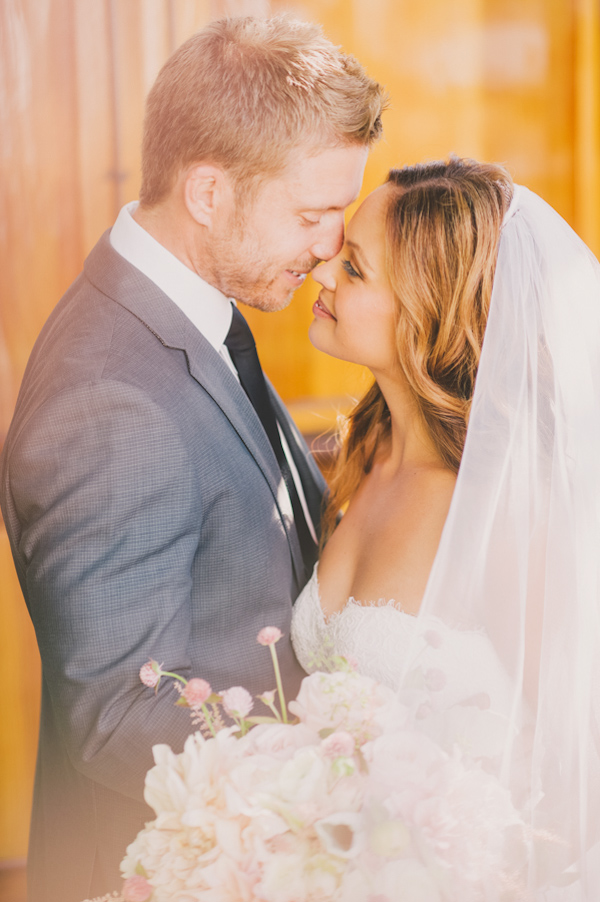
338, 745
267, 698
433, 638
269, 635
136, 889
150, 673
196, 691
237, 701
435, 679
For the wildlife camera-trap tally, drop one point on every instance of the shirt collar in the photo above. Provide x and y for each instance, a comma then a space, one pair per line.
204, 305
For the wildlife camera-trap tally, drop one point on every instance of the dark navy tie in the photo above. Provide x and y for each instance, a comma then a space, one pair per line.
242, 348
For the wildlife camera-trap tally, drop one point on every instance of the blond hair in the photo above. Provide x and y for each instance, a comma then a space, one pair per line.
443, 225
243, 92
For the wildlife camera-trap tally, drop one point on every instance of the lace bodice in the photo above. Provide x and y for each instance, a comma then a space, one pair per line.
456, 666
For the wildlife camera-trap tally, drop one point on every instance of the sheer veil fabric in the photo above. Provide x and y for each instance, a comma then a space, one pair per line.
519, 558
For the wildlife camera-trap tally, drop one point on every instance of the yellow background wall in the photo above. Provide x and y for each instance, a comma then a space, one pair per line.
514, 81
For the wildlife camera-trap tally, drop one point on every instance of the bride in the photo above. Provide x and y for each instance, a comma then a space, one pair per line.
467, 562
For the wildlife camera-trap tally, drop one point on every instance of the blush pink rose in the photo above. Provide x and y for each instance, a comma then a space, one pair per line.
196, 691
344, 702
269, 635
338, 745
136, 889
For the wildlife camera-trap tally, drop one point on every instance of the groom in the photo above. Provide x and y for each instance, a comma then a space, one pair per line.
159, 501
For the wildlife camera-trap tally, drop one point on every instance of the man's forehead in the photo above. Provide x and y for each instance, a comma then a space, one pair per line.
329, 179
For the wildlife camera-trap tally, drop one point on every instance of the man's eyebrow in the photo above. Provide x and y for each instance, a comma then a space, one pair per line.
360, 254
322, 209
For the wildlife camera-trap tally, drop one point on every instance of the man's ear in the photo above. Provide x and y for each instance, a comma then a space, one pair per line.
207, 193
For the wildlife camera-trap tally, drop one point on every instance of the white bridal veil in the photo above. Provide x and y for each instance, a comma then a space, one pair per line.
519, 559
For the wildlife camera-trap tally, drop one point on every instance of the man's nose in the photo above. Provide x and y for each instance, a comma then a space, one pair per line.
330, 241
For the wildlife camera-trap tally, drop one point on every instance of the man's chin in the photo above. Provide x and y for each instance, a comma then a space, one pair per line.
268, 301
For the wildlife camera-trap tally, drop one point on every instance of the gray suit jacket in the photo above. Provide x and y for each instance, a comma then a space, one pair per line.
147, 518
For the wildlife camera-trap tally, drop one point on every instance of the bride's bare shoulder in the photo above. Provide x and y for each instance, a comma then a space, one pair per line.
434, 484
418, 508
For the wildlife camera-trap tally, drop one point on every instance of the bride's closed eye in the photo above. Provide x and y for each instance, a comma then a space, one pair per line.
349, 269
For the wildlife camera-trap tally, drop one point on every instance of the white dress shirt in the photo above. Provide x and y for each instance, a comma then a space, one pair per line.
204, 305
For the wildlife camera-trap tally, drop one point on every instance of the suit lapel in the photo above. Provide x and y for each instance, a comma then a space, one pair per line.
118, 279
313, 482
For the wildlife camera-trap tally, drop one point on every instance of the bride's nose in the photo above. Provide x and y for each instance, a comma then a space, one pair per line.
324, 274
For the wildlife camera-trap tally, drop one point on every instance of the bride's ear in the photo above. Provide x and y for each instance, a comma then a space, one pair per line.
208, 194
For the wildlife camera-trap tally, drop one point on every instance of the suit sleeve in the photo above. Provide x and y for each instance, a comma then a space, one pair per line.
110, 520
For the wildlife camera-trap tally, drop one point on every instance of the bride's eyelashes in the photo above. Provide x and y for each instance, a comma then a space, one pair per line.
350, 271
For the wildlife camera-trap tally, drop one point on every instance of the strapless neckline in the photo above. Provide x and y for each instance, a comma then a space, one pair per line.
373, 635
384, 642
354, 602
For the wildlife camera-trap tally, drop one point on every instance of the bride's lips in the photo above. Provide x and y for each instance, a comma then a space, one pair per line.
319, 309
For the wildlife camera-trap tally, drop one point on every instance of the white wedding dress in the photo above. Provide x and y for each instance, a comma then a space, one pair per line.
511, 612
454, 667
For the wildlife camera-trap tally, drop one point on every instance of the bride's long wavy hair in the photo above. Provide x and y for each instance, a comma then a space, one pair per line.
443, 227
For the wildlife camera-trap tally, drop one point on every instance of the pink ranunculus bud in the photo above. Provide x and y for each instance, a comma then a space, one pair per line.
136, 889
267, 698
237, 701
269, 635
196, 691
338, 745
150, 673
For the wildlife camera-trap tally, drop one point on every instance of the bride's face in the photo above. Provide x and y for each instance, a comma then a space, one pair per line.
355, 311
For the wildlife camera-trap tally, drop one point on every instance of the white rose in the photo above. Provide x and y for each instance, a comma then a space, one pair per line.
304, 777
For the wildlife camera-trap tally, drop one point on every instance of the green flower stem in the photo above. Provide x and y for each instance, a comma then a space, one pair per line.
244, 726
279, 684
174, 675
275, 711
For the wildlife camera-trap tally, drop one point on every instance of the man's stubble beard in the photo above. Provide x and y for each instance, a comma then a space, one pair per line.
232, 264
257, 294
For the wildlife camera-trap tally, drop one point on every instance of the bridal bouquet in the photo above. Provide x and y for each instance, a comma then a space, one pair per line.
350, 802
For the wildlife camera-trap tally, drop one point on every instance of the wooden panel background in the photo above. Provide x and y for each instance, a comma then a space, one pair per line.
516, 81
